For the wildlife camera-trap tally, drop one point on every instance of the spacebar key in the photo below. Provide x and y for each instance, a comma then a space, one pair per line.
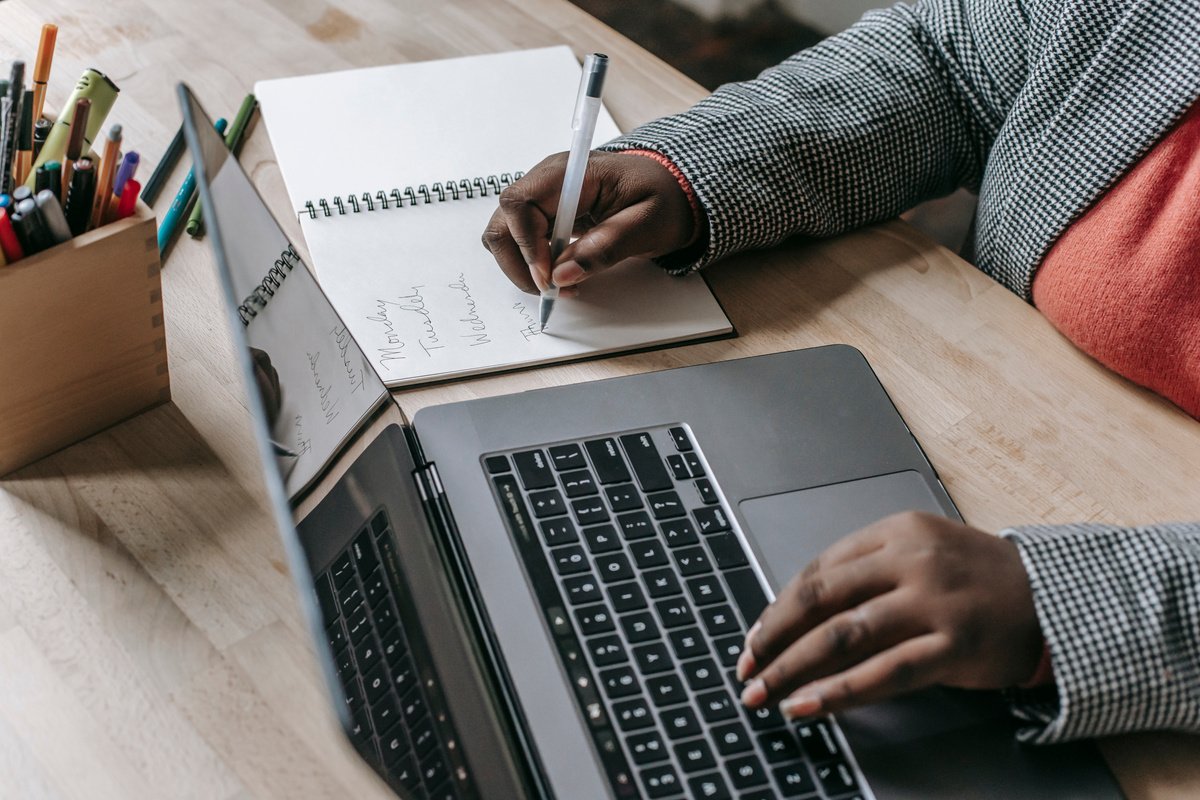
747, 593
646, 462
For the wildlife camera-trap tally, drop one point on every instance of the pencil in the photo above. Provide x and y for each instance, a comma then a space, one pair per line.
108, 171
41, 68
154, 186
195, 223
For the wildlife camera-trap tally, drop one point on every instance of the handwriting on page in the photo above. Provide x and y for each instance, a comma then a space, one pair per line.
348, 370
427, 322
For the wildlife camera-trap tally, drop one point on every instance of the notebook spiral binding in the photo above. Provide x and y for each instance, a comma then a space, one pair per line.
450, 190
262, 294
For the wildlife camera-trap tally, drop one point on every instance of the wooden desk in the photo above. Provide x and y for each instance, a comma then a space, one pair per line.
149, 642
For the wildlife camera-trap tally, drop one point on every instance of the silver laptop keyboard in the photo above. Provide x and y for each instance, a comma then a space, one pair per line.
648, 591
386, 673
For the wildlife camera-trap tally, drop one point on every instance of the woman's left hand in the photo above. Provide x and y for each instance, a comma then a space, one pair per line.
911, 601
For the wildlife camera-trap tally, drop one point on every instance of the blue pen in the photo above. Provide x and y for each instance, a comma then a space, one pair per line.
182, 200
5, 200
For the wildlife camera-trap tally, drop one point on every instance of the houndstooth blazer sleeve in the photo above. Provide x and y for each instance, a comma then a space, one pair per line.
1120, 610
900, 108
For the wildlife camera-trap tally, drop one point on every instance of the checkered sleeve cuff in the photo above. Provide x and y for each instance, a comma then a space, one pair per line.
1120, 612
854, 130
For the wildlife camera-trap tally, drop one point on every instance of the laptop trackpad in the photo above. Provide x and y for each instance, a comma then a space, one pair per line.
793, 528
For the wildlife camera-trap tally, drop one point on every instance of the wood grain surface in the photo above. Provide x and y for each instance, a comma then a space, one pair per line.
150, 646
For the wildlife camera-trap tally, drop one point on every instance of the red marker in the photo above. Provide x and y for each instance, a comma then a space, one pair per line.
8, 238
129, 196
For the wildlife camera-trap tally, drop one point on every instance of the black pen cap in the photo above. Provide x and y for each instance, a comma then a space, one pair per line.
80, 196
41, 179
41, 129
25, 133
55, 176
34, 228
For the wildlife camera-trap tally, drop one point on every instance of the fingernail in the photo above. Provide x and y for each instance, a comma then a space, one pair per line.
801, 704
750, 633
745, 664
567, 274
567, 292
754, 694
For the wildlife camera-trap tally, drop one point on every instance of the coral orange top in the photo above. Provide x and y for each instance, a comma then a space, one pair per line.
1123, 282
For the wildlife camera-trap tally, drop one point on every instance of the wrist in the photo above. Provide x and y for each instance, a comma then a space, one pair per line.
699, 219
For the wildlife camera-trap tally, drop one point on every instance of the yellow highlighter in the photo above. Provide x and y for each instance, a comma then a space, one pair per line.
94, 86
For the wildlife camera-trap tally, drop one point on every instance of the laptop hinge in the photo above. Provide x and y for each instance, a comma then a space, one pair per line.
449, 544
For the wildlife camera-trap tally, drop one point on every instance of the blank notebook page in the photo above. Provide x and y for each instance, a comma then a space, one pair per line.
412, 281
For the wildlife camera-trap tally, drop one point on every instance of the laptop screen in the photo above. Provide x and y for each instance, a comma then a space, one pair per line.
408, 686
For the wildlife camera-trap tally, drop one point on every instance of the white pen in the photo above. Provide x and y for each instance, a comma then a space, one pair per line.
587, 109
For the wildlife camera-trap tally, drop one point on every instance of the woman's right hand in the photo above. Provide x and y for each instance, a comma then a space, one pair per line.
630, 206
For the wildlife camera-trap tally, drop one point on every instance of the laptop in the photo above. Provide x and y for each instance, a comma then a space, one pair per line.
544, 594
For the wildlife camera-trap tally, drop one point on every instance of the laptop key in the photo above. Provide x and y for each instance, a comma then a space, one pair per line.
376, 683
635, 525
646, 748
626, 597
336, 636
732, 738
711, 519
728, 649
632, 715
688, 643
579, 483
694, 465
534, 470
385, 713
391, 644
375, 588
665, 505
423, 737
589, 511
601, 539
582, 589
549, 503
342, 570
569, 560
779, 745
640, 627
394, 745
794, 779
607, 461
680, 437
365, 560
661, 781
818, 741
747, 592
349, 598
406, 772
702, 674
496, 464
607, 650
619, 682
325, 599
623, 497
357, 625
412, 705
692, 560
614, 567
649, 554
765, 718
679, 532
594, 619
558, 531
646, 462
675, 612
404, 677
746, 771
717, 706
433, 769
705, 590
384, 616
680, 723
708, 495
679, 467
666, 690
652, 658
567, 456
709, 787
727, 550
695, 755
719, 620
661, 583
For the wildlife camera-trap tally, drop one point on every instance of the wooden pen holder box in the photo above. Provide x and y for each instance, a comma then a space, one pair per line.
82, 341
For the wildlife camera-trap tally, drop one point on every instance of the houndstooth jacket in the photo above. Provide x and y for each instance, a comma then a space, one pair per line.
1039, 106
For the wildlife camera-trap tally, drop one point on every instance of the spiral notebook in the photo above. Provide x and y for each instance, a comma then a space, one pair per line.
395, 171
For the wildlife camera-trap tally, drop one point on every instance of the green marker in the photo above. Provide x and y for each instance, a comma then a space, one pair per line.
95, 86
195, 223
